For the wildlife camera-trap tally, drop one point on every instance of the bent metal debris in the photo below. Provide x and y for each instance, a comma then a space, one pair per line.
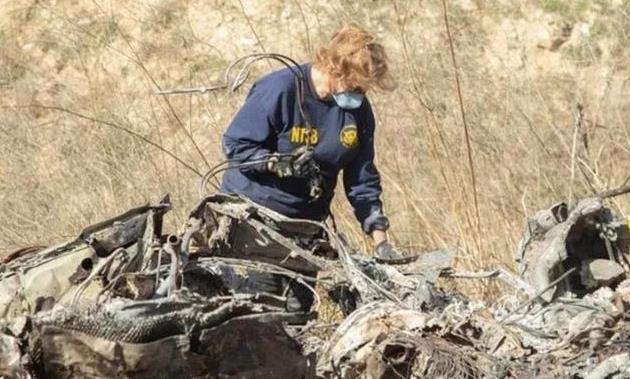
234, 295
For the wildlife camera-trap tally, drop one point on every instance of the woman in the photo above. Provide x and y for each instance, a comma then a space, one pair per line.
339, 131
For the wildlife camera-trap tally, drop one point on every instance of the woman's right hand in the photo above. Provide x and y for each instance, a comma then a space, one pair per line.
299, 164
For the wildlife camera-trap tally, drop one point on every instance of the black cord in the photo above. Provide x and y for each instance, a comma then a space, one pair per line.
292, 65
300, 82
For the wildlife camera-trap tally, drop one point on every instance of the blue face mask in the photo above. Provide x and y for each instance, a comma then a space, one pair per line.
348, 99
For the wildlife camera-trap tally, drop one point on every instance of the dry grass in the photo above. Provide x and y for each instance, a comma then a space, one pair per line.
523, 70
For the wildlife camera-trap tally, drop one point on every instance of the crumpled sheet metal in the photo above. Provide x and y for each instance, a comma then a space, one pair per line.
232, 325
14, 363
240, 315
545, 327
125, 229
429, 265
617, 366
568, 337
11, 361
254, 233
383, 340
250, 348
412, 355
184, 336
345, 354
543, 249
33, 282
74, 354
243, 348
29, 285
212, 276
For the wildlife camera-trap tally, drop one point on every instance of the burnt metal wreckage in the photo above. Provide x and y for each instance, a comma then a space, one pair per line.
234, 295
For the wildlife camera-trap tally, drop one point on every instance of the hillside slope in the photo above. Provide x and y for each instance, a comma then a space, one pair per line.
523, 68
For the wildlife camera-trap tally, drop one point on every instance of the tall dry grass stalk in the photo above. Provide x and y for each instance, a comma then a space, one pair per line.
521, 68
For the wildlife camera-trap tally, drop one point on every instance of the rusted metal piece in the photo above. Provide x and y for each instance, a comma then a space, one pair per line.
21, 253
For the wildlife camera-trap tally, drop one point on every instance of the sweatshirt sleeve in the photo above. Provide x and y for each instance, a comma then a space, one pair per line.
362, 181
251, 134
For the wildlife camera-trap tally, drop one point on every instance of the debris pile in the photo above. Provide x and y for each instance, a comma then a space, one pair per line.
236, 294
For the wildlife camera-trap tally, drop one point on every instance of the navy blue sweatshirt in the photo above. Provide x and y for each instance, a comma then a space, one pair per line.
270, 121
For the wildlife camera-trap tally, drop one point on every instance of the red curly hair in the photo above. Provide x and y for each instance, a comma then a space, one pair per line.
354, 59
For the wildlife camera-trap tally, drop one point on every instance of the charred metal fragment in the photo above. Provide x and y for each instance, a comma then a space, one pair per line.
557, 244
237, 297
125, 229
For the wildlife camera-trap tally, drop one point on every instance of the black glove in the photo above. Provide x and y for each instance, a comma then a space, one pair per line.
298, 164
281, 165
385, 251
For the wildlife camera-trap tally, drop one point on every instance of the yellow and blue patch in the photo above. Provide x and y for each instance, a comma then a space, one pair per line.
349, 136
